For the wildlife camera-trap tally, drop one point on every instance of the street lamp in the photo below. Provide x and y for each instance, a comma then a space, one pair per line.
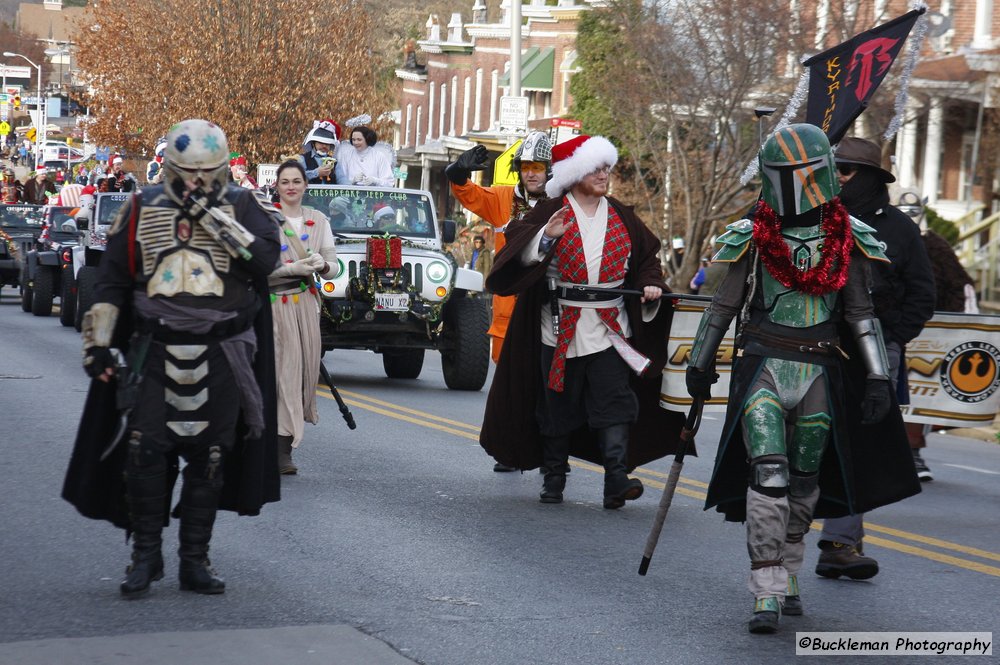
39, 120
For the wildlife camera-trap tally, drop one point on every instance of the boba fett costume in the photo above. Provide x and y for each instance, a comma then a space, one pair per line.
811, 419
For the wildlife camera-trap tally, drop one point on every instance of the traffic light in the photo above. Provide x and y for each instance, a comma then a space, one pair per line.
17, 101
30, 135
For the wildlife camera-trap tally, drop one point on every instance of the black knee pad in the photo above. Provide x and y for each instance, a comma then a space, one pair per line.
769, 475
802, 484
205, 467
144, 458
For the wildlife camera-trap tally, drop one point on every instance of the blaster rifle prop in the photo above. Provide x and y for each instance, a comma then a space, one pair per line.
336, 395
687, 436
223, 228
128, 374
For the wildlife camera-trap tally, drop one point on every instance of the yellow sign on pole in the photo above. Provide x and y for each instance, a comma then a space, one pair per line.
502, 173
4, 128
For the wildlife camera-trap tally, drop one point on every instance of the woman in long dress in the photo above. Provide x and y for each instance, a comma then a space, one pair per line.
307, 248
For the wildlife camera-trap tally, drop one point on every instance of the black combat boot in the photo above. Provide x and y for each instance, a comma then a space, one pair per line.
286, 466
147, 503
618, 487
199, 500
555, 457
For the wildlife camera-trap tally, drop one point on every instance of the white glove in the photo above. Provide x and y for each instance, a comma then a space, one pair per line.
302, 267
317, 261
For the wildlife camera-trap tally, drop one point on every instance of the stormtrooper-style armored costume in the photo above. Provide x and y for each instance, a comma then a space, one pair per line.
803, 428
181, 286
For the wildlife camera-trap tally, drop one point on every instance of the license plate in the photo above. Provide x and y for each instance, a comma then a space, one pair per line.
392, 302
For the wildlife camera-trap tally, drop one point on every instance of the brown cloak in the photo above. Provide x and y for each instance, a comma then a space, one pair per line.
510, 431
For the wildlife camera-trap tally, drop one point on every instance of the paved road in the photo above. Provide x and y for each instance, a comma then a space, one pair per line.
397, 543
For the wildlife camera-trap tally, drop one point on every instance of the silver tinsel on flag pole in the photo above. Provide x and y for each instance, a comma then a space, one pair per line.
916, 43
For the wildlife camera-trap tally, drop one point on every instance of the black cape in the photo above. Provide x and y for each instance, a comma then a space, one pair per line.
863, 467
97, 488
510, 431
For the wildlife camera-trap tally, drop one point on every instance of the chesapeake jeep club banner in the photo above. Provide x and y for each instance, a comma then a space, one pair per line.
953, 367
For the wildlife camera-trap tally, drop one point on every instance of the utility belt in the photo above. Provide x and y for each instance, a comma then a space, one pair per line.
760, 342
288, 285
162, 332
573, 294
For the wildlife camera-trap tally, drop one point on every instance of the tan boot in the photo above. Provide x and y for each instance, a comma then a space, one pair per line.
286, 466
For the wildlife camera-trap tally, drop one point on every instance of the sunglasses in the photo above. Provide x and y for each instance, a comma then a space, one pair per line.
846, 169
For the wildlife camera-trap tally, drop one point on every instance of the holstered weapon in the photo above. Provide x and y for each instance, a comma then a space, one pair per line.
554, 305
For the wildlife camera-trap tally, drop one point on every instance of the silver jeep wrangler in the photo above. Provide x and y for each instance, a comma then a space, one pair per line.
411, 296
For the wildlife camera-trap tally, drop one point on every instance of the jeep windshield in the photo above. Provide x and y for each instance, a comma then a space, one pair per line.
373, 211
108, 206
20, 216
55, 216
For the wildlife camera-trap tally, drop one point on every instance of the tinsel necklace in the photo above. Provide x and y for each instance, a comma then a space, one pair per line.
835, 252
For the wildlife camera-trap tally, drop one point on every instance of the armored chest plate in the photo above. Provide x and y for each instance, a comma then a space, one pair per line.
787, 306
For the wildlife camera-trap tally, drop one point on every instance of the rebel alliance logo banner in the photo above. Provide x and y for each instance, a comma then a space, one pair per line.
953, 368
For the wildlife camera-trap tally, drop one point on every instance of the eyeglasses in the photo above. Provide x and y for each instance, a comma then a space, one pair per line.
846, 169
603, 169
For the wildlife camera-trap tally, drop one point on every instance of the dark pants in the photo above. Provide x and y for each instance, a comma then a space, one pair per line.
596, 393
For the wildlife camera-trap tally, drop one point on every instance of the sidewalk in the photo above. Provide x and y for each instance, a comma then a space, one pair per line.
301, 645
985, 433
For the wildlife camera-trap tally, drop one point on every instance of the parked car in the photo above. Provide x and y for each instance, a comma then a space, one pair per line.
21, 225
93, 223
59, 153
395, 291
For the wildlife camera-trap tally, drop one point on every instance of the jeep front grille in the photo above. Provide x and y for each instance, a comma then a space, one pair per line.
414, 275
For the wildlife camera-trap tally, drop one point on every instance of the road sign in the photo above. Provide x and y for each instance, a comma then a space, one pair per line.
4, 128
513, 115
15, 72
267, 174
563, 129
503, 174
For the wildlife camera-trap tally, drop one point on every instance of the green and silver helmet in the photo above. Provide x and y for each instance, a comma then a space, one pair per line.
196, 150
798, 171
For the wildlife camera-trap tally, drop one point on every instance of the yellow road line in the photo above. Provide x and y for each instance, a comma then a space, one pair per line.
427, 416
649, 477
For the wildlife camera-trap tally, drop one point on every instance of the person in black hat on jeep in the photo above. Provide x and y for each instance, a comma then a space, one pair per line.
903, 295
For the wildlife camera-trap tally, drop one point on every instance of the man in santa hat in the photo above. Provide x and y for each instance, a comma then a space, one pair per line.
586, 376
238, 170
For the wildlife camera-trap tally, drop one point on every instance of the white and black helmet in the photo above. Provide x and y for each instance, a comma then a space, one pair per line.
536, 147
196, 150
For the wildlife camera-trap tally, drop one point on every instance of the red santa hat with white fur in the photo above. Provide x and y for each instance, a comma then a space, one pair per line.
574, 159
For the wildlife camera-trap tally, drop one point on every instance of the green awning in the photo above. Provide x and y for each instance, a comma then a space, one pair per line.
537, 66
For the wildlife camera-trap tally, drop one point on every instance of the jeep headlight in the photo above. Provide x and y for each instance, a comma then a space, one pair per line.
336, 271
437, 271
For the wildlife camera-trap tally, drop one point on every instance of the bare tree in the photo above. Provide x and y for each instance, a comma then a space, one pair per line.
678, 93
263, 71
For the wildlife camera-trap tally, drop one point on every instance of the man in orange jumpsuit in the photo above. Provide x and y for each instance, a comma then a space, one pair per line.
501, 205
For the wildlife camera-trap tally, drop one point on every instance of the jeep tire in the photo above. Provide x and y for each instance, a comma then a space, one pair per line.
44, 291
465, 358
85, 280
67, 298
403, 363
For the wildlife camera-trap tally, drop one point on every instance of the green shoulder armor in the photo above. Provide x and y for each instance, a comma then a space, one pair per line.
867, 242
734, 241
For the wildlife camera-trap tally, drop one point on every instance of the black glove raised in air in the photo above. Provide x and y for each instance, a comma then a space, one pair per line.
471, 160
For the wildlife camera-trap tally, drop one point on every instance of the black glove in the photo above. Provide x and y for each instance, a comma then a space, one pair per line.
878, 399
699, 383
96, 360
471, 160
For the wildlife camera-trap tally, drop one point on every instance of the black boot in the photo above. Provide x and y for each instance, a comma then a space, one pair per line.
199, 500
286, 466
147, 559
146, 486
555, 457
618, 487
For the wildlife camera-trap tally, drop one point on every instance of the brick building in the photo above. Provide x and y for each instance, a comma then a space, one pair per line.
451, 83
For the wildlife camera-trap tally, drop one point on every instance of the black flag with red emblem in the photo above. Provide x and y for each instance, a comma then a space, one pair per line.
842, 79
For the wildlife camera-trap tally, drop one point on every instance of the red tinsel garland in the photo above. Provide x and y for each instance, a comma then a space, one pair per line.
835, 252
